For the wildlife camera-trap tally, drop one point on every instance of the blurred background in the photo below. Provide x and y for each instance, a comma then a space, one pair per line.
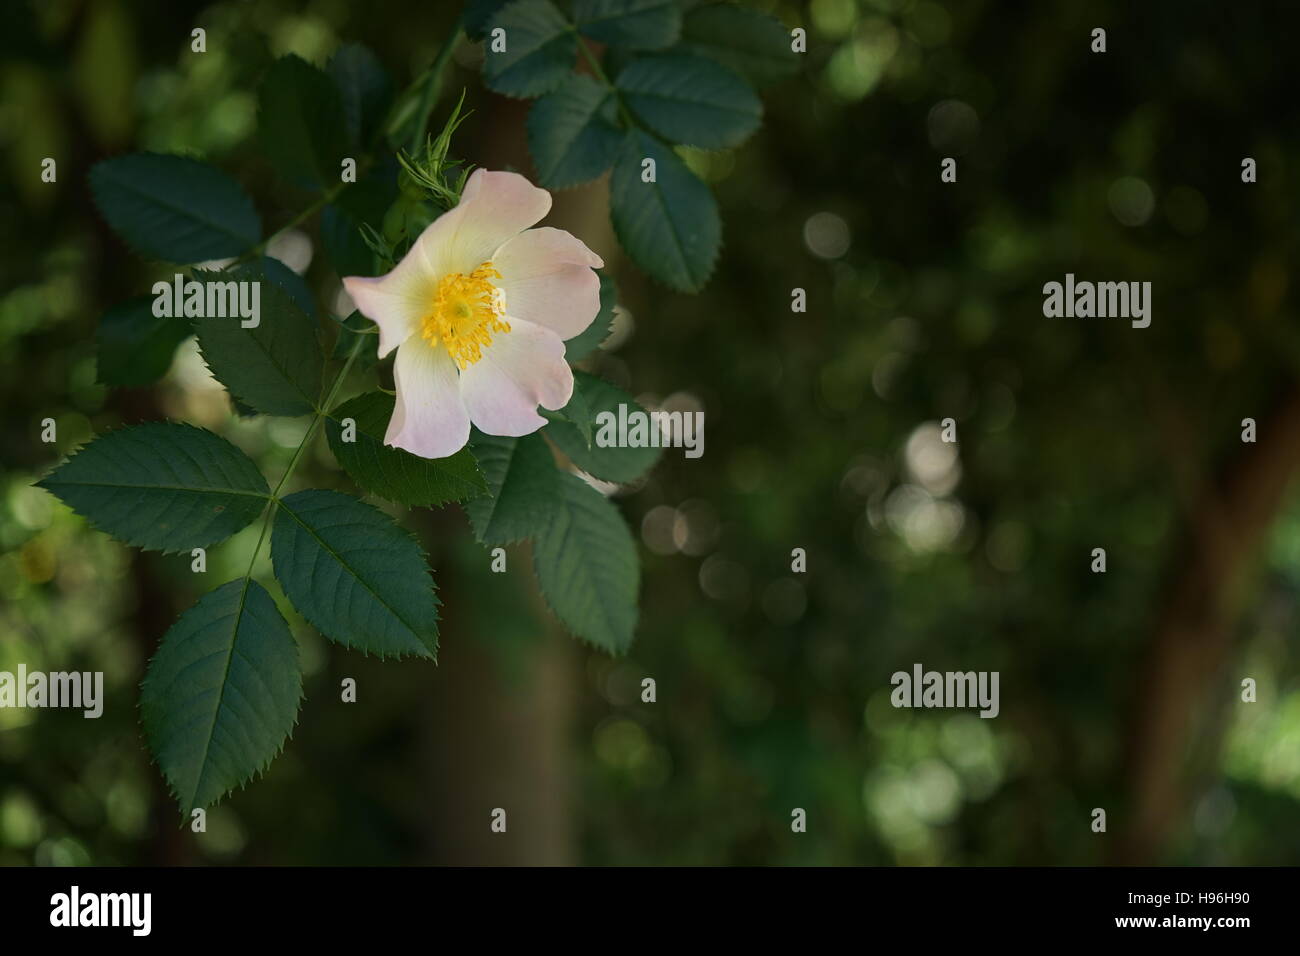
1119, 690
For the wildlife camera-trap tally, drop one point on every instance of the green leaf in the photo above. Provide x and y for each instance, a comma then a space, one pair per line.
478, 16
590, 338
341, 236
365, 90
364, 203
162, 486
135, 347
587, 567
353, 327
301, 123
576, 413
573, 133
613, 463
393, 473
637, 24
670, 227
368, 199
540, 49
276, 366
689, 99
174, 209
221, 695
276, 271
522, 487
752, 44
356, 576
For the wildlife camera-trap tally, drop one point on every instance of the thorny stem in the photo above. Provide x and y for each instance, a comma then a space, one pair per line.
302, 446
431, 81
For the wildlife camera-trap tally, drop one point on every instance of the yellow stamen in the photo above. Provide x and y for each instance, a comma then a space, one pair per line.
466, 310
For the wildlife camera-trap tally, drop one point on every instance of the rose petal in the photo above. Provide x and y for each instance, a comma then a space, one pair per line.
429, 418
521, 369
494, 207
396, 302
547, 278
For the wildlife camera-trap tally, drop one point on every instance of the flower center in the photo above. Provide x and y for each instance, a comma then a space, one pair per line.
466, 310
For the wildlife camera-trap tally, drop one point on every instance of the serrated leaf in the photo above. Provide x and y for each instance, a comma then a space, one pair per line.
161, 486
134, 346
301, 123
173, 208
522, 486
573, 134
590, 338
691, 100
365, 90
670, 227
276, 271
356, 576
587, 567
221, 695
393, 473
276, 366
753, 44
636, 24
540, 49
611, 463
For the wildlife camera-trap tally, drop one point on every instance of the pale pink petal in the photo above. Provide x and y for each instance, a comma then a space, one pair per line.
429, 418
547, 278
399, 301
396, 302
434, 251
494, 207
521, 369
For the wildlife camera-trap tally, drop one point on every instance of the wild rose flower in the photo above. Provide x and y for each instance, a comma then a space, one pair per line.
478, 311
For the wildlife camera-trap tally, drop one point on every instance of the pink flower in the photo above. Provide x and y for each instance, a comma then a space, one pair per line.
478, 311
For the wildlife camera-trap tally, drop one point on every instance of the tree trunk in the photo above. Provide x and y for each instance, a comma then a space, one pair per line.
1183, 681
493, 741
